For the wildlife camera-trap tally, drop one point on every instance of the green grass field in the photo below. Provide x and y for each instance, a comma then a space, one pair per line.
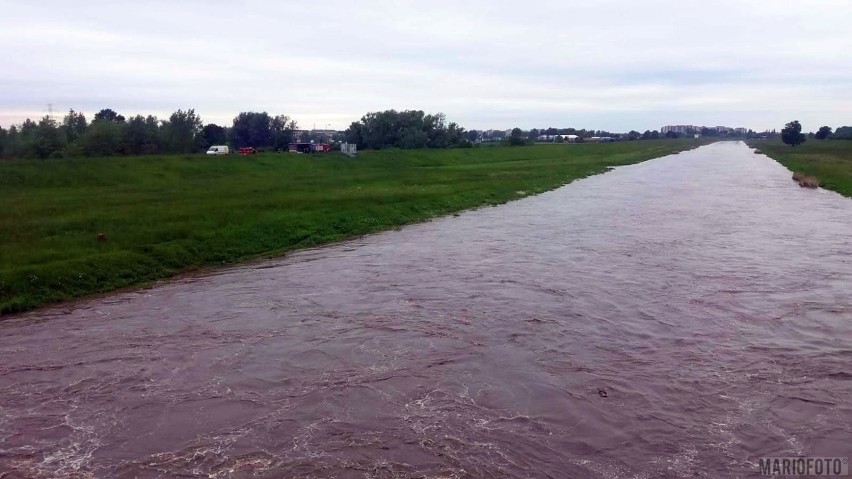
830, 161
163, 215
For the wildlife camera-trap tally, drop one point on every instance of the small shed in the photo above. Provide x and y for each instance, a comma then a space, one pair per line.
349, 149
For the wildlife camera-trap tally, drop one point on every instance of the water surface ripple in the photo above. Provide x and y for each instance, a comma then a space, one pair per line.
705, 294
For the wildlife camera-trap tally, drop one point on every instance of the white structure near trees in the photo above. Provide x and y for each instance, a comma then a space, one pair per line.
349, 149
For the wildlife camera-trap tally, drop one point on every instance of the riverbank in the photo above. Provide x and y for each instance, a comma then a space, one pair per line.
78, 227
830, 161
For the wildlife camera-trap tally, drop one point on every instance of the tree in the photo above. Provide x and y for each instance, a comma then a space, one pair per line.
48, 138
456, 135
102, 138
651, 135
355, 134
26, 138
213, 134
142, 136
180, 131
413, 139
404, 129
252, 129
843, 133
13, 147
823, 133
107, 114
792, 134
4, 141
283, 130
74, 124
435, 127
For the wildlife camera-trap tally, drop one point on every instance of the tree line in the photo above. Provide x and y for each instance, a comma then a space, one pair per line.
825, 133
110, 133
792, 134
409, 129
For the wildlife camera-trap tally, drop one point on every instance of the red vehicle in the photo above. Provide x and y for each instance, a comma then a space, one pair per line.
248, 150
309, 147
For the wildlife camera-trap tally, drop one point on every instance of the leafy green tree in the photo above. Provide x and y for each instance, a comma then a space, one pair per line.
823, 133
4, 141
102, 138
73, 125
413, 139
182, 131
142, 136
283, 131
792, 134
213, 134
355, 134
456, 135
48, 139
26, 139
107, 114
404, 129
252, 129
13, 148
843, 133
436, 130
28, 128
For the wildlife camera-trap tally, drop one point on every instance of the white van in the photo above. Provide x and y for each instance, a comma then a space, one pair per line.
218, 150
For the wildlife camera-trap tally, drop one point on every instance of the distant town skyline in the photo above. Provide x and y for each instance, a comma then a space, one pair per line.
611, 65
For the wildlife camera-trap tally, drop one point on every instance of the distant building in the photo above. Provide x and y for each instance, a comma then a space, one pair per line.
494, 135
694, 129
564, 138
680, 129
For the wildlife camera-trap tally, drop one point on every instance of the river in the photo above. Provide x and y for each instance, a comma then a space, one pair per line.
681, 317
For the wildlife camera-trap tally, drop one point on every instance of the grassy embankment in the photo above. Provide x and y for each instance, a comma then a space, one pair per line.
829, 161
76, 227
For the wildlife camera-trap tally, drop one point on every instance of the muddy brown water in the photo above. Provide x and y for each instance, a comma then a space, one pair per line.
705, 294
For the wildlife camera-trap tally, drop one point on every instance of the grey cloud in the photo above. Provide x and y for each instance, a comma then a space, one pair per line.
614, 65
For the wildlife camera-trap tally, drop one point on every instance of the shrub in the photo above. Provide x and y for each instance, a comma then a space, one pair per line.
805, 181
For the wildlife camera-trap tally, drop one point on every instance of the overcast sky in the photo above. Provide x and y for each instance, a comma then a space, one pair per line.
614, 65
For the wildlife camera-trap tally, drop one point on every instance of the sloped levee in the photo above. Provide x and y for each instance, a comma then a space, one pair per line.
681, 317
